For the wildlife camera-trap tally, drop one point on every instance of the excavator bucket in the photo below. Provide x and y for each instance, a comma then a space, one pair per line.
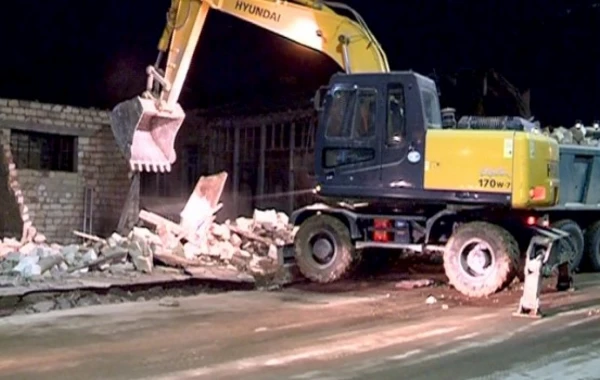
145, 134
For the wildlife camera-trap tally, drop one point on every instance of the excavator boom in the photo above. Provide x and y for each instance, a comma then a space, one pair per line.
145, 127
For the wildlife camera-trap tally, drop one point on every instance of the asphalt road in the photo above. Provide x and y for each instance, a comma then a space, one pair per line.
367, 332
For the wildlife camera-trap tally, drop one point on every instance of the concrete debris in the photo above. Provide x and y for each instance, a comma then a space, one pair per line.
239, 250
44, 306
593, 312
414, 284
431, 300
248, 245
141, 246
168, 302
28, 266
245, 250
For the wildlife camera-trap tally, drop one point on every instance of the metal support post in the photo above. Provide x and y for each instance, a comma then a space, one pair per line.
88, 210
260, 191
291, 184
236, 169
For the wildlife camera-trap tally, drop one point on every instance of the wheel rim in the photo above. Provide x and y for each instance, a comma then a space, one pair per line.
477, 258
573, 249
323, 248
568, 245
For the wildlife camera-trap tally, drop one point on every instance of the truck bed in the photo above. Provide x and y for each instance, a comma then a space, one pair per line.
579, 178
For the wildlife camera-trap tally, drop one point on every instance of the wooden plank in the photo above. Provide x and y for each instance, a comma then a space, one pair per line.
115, 256
157, 220
83, 235
176, 261
166, 228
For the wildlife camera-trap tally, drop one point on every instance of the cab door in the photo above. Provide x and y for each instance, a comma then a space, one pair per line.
403, 143
349, 151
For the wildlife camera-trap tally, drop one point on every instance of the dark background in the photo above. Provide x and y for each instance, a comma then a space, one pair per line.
94, 53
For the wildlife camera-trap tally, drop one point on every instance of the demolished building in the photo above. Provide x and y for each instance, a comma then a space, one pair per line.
59, 171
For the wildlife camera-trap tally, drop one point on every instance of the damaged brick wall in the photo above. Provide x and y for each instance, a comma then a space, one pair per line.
52, 178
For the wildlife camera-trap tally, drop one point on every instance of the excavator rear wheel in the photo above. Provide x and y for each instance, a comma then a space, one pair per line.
324, 249
481, 259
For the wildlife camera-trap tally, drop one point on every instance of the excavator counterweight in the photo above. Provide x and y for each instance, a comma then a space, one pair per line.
145, 134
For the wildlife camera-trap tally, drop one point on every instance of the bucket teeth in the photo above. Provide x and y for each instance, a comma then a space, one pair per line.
146, 166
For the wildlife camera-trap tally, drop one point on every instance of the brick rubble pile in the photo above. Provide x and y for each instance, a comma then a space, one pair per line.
247, 246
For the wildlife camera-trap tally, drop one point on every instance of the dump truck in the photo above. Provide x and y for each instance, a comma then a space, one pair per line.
390, 176
578, 209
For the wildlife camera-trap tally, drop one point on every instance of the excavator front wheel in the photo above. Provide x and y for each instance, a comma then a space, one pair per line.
481, 259
324, 249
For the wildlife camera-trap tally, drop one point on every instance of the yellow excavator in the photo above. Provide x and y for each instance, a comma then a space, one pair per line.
145, 127
390, 175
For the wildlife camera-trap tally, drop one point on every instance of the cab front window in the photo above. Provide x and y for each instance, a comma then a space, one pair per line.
431, 109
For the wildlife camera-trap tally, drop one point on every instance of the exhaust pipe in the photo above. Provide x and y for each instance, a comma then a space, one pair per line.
146, 134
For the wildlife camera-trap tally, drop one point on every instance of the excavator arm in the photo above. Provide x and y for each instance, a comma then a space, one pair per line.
145, 127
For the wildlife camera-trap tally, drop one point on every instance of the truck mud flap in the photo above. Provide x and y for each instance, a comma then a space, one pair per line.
539, 262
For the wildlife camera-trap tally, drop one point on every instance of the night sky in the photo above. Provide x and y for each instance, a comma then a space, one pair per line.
94, 53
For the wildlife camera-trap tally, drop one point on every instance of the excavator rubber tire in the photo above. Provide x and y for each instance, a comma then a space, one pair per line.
344, 258
577, 238
505, 251
592, 247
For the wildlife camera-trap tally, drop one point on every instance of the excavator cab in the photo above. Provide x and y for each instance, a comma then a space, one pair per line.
371, 136
402, 151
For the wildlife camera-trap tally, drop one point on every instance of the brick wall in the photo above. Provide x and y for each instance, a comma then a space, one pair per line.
53, 200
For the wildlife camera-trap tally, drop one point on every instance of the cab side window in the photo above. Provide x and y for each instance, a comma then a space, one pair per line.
431, 106
396, 111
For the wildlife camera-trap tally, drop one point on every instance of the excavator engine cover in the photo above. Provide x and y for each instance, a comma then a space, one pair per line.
146, 134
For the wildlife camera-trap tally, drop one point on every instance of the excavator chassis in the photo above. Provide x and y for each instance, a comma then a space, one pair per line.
146, 134
352, 231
